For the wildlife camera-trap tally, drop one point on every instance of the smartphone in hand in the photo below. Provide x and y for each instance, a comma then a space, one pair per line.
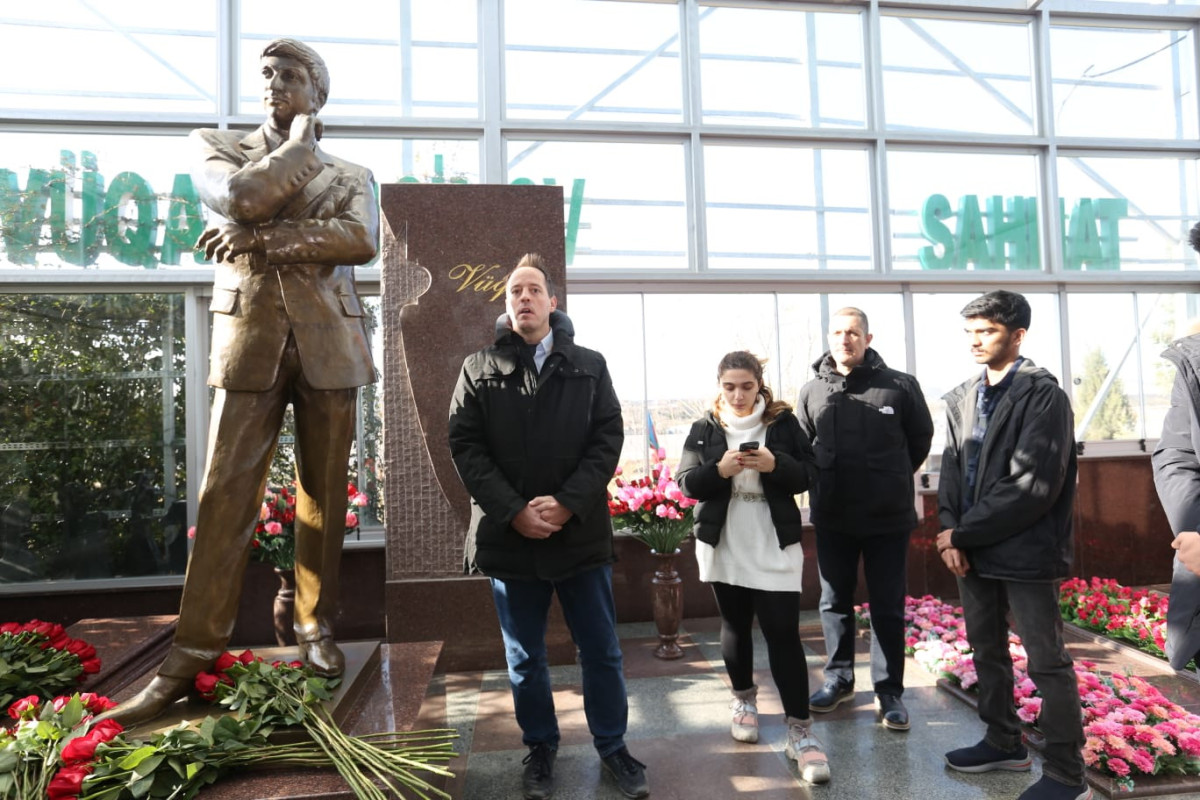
744, 446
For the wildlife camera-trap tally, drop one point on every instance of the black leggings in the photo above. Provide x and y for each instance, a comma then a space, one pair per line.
779, 618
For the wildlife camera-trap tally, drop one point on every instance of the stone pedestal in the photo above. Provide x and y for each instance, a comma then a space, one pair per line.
382, 690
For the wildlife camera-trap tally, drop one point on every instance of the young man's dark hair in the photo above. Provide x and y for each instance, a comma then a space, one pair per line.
1008, 308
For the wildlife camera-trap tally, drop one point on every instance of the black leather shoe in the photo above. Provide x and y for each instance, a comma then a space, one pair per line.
830, 696
537, 781
891, 712
149, 703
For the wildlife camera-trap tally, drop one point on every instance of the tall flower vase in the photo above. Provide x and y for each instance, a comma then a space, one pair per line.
285, 604
667, 588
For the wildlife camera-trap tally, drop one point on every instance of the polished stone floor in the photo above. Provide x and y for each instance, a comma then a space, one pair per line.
678, 725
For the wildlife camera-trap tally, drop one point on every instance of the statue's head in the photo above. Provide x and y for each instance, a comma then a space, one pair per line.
318, 73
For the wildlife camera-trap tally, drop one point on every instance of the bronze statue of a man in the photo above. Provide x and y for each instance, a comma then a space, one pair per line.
287, 328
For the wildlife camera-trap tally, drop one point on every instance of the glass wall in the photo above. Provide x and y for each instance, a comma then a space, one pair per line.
92, 465
733, 172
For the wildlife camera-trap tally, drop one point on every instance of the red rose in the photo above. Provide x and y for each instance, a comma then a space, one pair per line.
48, 629
81, 649
206, 682
247, 657
60, 702
96, 703
225, 661
90, 667
68, 782
105, 730
10, 627
30, 703
79, 750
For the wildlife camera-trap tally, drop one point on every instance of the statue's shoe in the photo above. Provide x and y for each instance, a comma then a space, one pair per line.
149, 703
324, 656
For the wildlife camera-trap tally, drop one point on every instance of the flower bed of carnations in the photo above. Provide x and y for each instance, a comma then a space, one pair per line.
1132, 730
55, 749
1135, 616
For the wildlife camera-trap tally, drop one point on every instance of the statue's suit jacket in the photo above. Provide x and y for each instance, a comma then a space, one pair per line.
305, 282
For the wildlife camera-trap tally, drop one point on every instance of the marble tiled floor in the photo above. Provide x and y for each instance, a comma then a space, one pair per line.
678, 726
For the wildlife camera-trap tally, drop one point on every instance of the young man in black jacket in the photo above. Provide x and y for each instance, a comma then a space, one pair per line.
1006, 494
536, 433
870, 429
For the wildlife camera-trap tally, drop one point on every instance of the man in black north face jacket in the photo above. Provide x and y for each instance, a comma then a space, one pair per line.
870, 429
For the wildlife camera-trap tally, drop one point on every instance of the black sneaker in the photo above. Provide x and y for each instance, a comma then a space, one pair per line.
629, 773
1049, 789
537, 781
831, 695
983, 757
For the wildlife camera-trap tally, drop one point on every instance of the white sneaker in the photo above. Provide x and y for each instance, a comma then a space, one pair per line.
805, 749
744, 727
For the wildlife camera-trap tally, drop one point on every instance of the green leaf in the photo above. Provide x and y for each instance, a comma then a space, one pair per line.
147, 765
137, 756
142, 786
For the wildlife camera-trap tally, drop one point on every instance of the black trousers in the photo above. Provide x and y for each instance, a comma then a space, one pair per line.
885, 567
779, 619
1034, 605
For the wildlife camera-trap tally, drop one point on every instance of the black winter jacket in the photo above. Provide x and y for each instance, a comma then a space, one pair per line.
870, 430
1177, 478
698, 477
1020, 525
515, 435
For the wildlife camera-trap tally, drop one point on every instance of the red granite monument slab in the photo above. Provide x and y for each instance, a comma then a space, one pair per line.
447, 252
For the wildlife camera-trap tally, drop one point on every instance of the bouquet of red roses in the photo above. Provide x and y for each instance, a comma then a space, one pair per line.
38, 658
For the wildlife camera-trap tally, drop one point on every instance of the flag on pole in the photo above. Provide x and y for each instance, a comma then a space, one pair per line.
651, 436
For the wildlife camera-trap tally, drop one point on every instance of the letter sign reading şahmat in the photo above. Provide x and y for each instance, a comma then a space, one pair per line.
68, 212
1003, 234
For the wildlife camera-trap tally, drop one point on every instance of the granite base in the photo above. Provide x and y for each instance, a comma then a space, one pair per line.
383, 690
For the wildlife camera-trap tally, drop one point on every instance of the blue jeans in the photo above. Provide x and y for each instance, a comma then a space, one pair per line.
587, 603
884, 559
1034, 605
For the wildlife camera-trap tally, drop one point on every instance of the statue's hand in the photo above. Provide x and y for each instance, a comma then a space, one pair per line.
305, 128
228, 241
